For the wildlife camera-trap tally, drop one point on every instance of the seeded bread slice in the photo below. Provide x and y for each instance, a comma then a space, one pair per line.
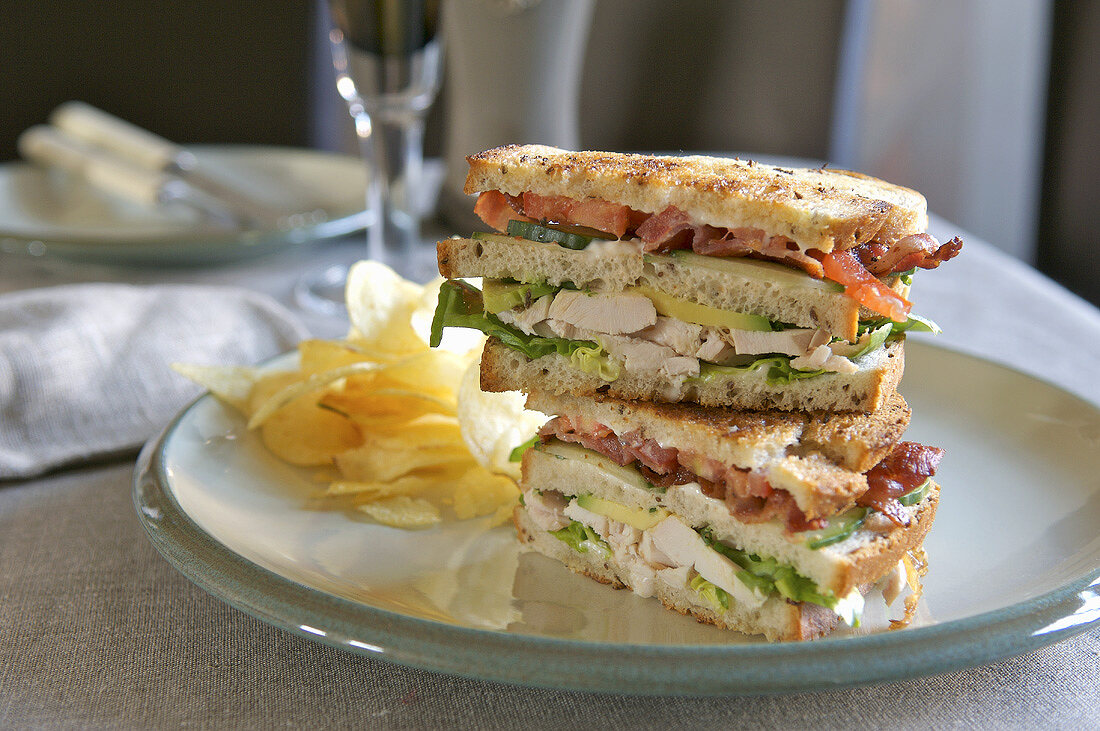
504, 369
816, 208
776, 619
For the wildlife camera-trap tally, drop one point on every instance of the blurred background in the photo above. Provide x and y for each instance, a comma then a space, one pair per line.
989, 107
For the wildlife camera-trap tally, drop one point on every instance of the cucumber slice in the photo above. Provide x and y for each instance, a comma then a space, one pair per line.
914, 497
840, 527
571, 237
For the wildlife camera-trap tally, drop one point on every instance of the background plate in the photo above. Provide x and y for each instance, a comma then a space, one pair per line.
1015, 559
47, 213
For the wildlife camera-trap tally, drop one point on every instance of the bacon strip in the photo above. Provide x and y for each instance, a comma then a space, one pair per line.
902, 471
916, 250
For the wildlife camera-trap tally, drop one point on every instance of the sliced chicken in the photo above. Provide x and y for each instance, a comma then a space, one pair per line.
686, 548
526, 319
683, 337
615, 314
788, 342
546, 510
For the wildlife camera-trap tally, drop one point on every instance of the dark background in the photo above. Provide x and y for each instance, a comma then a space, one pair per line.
229, 71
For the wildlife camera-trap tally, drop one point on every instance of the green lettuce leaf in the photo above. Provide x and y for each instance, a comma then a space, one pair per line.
779, 372
582, 538
768, 575
714, 595
916, 323
516, 455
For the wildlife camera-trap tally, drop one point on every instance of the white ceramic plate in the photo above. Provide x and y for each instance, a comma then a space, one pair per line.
52, 214
1015, 557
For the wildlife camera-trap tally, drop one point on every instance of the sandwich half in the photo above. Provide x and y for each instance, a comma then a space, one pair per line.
722, 282
767, 523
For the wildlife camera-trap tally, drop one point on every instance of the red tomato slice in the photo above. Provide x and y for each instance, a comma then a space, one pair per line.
495, 208
592, 213
862, 286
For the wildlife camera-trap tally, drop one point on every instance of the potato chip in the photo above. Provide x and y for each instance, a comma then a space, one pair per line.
480, 492
383, 459
318, 356
396, 428
433, 371
412, 485
493, 424
230, 384
403, 512
303, 434
380, 304
293, 391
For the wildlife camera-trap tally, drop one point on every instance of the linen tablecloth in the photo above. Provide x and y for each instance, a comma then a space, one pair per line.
97, 631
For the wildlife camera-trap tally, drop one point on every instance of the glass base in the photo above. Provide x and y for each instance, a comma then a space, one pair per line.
322, 291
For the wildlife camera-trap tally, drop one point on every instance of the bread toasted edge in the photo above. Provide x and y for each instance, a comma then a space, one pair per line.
817, 208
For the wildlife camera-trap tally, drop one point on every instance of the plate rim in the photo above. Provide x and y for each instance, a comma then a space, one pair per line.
586, 665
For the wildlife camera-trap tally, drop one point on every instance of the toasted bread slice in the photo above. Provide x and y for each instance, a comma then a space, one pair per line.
776, 619
816, 208
740, 285
746, 439
505, 369
863, 558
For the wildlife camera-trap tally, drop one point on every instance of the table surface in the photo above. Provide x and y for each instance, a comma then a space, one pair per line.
100, 632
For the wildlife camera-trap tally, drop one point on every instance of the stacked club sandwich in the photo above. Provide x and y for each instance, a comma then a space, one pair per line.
719, 343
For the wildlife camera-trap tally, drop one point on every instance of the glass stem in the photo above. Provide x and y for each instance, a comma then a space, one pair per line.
393, 152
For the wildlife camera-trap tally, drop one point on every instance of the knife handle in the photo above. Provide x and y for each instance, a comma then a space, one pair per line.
127, 140
48, 147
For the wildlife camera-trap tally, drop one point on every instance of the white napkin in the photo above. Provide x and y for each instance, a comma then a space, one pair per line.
84, 369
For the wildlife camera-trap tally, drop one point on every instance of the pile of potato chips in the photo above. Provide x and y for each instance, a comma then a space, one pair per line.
401, 431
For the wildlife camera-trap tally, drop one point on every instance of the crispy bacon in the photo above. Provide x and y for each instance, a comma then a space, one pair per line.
901, 472
862, 286
916, 250
670, 229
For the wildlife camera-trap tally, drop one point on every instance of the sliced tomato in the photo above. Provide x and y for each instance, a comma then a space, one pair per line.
596, 213
862, 286
497, 209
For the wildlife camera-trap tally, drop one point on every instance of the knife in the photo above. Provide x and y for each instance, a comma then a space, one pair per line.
47, 146
152, 152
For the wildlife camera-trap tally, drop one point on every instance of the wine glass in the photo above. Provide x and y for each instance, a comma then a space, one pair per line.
387, 55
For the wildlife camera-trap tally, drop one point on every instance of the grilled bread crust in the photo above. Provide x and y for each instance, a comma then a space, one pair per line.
746, 439
863, 558
505, 369
776, 619
800, 300
816, 208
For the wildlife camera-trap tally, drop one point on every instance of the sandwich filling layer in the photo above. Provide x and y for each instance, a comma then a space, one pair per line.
765, 493
645, 331
861, 270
